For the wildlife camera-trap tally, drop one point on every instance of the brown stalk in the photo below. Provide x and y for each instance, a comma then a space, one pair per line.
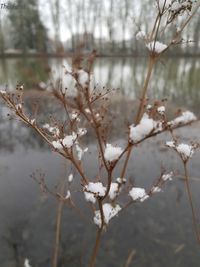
194, 217
58, 233
151, 63
98, 237
96, 128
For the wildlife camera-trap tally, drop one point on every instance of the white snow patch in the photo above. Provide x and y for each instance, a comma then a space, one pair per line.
26, 263
149, 107
161, 110
109, 212
175, 6
167, 176
68, 195
70, 178
90, 197
138, 193
156, 47
114, 190
170, 144
186, 151
57, 144
52, 129
68, 140
87, 110
18, 106
156, 189
112, 153
82, 131
93, 190
3, 92
74, 115
185, 117
120, 180
144, 128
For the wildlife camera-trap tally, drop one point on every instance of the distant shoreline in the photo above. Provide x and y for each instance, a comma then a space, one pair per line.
56, 55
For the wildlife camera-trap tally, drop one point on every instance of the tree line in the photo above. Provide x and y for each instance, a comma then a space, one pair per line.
65, 26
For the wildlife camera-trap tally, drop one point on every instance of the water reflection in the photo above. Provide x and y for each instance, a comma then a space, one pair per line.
159, 230
174, 78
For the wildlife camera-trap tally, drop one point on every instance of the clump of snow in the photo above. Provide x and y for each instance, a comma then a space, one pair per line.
185, 117
83, 77
32, 121
170, 143
161, 110
155, 189
109, 212
74, 115
87, 110
26, 263
93, 190
167, 176
68, 194
96, 188
114, 190
138, 193
68, 140
141, 35
57, 145
18, 106
120, 180
97, 115
3, 92
52, 129
175, 6
112, 153
82, 131
186, 151
149, 107
156, 47
144, 128
70, 178
90, 197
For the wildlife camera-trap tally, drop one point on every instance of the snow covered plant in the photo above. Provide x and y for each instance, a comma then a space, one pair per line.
86, 113
83, 114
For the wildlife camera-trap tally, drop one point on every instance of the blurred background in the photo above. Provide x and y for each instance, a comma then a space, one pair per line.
62, 26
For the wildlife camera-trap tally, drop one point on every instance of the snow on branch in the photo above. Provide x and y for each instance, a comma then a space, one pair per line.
109, 212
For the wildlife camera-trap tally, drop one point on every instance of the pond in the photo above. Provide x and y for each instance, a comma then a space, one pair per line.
174, 78
159, 231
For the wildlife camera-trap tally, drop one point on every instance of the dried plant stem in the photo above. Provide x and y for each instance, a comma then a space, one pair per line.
98, 237
97, 132
130, 257
151, 63
57, 235
194, 217
95, 248
61, 203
